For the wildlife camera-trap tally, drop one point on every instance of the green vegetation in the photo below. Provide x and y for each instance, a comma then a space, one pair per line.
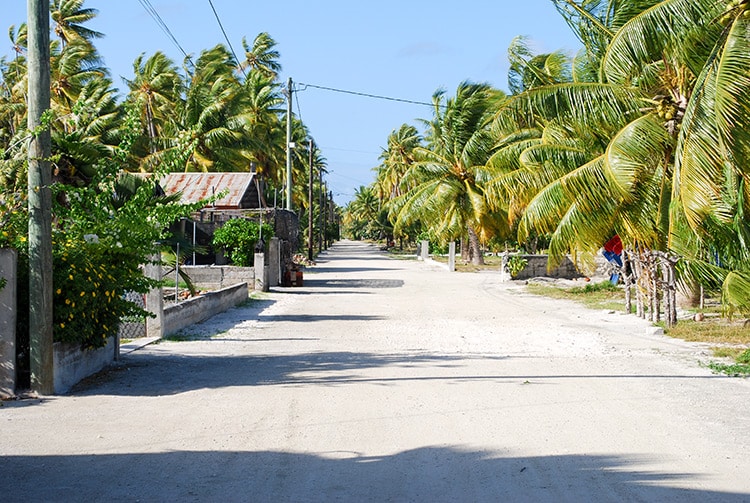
221, 115
642, 134
516, 264
238, 238
601, 295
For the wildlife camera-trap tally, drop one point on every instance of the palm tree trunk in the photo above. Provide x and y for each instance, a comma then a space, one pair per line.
475, 251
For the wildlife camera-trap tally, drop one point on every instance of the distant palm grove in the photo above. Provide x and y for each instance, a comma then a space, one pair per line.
644, 134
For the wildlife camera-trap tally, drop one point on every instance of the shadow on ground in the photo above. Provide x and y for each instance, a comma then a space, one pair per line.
166, 372
430, 474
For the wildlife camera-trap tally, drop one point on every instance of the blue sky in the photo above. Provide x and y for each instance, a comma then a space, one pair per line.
395, 48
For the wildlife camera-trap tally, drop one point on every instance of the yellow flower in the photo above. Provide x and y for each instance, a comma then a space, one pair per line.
70, 276
62, 325
73, 304
72, 266
59, 291
23, 239
67, 301
93, 294
83, 293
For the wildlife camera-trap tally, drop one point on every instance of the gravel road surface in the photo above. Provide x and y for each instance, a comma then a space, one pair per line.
392, 380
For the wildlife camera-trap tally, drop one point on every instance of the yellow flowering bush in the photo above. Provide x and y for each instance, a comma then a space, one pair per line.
102, 236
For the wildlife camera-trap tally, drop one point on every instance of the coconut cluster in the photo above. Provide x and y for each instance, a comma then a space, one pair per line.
666, 108
735, 8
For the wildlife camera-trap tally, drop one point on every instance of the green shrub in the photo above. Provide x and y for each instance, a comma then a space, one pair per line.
238, 238
516, 264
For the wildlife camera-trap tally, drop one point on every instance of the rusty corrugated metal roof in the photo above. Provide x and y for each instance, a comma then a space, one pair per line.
197, 186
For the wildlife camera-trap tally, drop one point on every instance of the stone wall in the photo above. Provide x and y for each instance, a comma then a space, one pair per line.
537, 266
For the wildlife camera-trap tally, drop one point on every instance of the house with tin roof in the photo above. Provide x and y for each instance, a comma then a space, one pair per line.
239, 190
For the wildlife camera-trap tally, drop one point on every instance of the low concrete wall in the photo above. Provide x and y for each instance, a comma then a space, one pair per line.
537, 266
212, 277
197, 309
72, 363
8, 261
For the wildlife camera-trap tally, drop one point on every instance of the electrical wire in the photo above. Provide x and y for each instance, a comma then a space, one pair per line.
229, 44
160, 22
367, 95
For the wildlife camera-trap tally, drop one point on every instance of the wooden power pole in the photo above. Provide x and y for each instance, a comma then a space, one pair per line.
40, 199
289, 144
310, 206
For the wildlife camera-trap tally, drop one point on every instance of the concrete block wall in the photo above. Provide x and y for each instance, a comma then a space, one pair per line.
73, 363
197, 309
215, 276
8, 265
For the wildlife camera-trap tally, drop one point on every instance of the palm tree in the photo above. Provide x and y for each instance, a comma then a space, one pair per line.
396, 159
264, 124
156, 90
68, 17
209, 134
667, 167
447, 182
71, 69
361, 214
262, 57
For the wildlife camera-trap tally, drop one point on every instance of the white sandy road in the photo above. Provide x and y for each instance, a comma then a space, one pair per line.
388, 380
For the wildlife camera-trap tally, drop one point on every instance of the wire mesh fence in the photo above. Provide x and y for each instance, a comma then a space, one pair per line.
133, 327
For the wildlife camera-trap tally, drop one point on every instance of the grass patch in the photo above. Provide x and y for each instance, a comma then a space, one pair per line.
491, 262
740, 367
733, 370
716, 331
602, 295
179, 337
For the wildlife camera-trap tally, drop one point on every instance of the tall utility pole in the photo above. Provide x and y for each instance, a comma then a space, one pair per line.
310, 206
40, 200
320, 214
289, 144
324, 209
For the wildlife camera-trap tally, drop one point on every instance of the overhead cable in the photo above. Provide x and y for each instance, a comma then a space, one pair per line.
367, 95
160, 22
221, 26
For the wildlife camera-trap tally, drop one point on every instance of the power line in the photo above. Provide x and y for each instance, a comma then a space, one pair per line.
367, 95
160, 22
221, 26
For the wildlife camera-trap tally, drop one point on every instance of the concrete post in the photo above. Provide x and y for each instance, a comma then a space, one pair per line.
452, 256
8, 271
154, 300
274, 262
424, 250
261, 274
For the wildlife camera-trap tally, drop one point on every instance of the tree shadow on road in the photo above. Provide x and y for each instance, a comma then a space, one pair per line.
430, 474
167, 372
